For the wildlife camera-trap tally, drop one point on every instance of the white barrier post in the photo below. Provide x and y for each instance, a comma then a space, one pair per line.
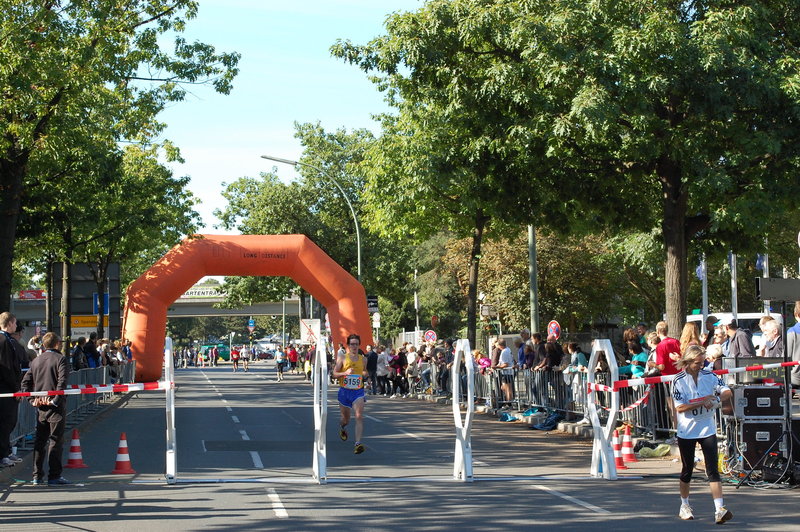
603, 463
462, 460
320, 409
172, 445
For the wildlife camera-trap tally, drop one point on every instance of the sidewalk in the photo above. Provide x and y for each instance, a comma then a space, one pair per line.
9, 474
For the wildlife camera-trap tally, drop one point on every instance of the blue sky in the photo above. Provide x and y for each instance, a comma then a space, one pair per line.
286, 74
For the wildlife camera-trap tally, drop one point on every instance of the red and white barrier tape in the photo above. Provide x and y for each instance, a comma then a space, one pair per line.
618, 385
80, 389
641, 401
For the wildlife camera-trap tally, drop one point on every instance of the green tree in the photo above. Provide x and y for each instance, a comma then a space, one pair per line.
313, 206
83, 75
155, 218
678, 116
445, 159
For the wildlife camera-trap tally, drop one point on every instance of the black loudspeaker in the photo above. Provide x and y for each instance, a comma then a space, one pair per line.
795, 445
757, 436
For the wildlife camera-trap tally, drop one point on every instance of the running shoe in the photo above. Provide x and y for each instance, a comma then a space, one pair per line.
686, 512
342, 434
14, 458
37, 482
722, 515
359, 448
5, 462
60, 481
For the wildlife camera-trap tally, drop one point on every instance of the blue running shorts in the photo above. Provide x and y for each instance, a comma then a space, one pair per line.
348, 397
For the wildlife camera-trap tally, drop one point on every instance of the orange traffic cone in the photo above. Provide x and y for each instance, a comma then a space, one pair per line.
627, 447
617, 453
123, 466
75, 459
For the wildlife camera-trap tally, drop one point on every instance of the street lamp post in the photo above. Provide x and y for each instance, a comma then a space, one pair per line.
341, 190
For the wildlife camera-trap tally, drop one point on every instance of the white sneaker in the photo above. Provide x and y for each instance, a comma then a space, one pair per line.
14, 458
686, 512
584, 421
722, 515
5, 462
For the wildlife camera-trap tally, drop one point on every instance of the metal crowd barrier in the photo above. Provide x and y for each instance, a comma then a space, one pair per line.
566, 393
78, 406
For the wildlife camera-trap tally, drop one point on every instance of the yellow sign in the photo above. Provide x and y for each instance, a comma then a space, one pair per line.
87, 321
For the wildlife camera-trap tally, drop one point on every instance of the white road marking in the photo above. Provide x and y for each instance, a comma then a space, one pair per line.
223, 400
235, 419
571, 499
257, 463
287, 414
412, 435
229, 409
277, 505
203, 443
374, 419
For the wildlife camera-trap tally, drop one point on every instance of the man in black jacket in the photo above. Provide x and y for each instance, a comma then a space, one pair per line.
740, 343
10, 376
91, 352
49, 371
372, 368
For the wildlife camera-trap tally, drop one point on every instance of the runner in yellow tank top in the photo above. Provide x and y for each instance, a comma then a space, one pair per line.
350, 371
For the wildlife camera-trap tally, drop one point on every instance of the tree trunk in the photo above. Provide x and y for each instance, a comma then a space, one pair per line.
675, 199
48, 300
101, 300
100, 275
66, 293
12, 171
474, 263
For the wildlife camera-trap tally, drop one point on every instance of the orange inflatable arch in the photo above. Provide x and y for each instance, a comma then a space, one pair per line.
295, 256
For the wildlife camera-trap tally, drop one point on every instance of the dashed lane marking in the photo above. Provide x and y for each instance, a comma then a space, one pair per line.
287, 414
257, 463
277, 505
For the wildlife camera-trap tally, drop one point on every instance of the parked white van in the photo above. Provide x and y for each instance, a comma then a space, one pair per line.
745, 320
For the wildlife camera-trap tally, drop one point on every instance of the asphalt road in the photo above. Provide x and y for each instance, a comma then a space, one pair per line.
244, 462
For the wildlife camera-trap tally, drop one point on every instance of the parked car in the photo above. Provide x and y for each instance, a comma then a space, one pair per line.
265, 354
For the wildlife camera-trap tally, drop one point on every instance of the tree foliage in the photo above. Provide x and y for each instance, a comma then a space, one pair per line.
678, 117
313, 206
76, 78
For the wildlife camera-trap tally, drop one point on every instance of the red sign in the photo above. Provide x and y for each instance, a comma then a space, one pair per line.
434, 321
430, 336
553, 329
32, 294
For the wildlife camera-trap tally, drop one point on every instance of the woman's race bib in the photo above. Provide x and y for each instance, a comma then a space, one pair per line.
352, 382
699, 411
